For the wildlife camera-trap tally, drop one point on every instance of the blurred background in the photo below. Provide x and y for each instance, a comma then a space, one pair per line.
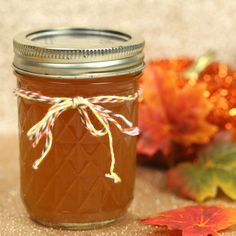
170, 28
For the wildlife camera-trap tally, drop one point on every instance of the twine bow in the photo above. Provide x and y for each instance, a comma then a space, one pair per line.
60, 104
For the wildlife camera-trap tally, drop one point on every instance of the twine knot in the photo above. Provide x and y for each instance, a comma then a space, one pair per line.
60, 104
76, 101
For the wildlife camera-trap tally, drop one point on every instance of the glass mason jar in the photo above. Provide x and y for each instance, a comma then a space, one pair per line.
70, 187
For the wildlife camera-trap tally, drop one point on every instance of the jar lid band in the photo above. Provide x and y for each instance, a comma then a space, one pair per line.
77, 52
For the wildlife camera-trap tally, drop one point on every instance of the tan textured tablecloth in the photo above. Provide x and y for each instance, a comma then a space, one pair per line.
150, 197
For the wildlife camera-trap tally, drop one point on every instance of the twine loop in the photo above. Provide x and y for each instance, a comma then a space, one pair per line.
83, 105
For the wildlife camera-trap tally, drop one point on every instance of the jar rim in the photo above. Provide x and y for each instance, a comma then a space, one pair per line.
77, 52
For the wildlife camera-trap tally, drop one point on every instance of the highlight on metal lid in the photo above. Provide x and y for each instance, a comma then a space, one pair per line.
77, 53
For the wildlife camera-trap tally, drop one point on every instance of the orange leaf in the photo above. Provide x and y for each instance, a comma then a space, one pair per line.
195, 220
170, 113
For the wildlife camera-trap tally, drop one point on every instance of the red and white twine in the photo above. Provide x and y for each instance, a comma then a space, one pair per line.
60, 104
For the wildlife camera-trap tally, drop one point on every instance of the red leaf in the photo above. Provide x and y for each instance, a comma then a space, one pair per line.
196, 220
170, 113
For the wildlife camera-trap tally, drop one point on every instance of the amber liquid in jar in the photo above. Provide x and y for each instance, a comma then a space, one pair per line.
69, 189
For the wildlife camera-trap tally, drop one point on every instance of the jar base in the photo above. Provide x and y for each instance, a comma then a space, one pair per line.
79, 226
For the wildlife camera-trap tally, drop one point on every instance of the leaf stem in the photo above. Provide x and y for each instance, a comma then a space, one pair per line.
199, 65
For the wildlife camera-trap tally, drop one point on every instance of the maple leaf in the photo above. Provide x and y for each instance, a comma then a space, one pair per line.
169, 113
195, 220
215, 168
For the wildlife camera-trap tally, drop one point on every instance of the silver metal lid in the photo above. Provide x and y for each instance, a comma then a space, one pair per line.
77, 53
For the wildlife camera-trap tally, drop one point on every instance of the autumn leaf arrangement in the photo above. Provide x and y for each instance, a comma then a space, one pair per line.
187, 117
